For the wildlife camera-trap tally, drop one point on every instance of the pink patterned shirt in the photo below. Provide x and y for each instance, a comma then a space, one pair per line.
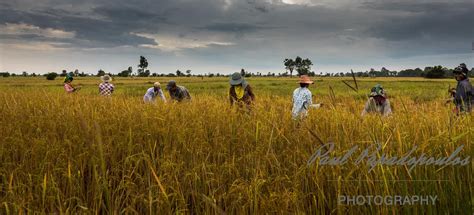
69, 88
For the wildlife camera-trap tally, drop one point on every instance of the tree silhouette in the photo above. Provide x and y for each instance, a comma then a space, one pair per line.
289, 65
100, 73
142, 67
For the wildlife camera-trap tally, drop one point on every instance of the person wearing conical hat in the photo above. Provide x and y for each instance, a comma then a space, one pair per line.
68, 87
377, 102
106, 88
303, 99
153, 92
240, 91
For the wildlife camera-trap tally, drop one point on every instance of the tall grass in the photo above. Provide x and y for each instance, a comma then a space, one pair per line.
87, 154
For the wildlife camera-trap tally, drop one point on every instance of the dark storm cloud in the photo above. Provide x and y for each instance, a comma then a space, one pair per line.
424, 21
232, 27
90, 32
415, 27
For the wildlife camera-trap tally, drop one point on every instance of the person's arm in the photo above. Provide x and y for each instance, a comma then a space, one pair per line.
69, 88
162, 95
231, 98
387, 109
250, 91
469, 92
171, 95
147, 96
366, 108
186, 93
461, 94
309, 98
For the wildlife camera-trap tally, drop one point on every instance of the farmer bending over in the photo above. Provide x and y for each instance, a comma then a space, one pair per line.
240, 91
153, 92
68, 84
177, 93
377, 102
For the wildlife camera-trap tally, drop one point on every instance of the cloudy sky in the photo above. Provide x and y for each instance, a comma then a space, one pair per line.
226, 35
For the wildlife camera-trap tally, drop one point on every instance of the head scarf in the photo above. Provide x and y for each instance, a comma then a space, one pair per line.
69, 77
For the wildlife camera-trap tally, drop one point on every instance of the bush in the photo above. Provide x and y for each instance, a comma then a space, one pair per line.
51, 76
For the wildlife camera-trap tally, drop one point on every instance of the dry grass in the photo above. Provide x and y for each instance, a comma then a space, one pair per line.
86, 154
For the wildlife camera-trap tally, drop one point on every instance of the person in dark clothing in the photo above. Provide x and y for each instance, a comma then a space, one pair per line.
463, 96
177, 93
240, 91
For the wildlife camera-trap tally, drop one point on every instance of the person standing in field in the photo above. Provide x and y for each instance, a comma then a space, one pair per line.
303, 99
153, 92
463, 95
106, 88
240, 91
177, 93
377, 102
68, 87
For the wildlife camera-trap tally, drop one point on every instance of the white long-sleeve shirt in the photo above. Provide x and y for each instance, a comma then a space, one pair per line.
150, 95
372, 107
302, 101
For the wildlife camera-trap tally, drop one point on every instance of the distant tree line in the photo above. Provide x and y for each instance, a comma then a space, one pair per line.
300, 65
427, 72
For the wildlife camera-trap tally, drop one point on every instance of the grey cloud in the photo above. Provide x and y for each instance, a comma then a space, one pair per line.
233, 27
418, 7
98, 33
271, 28
427, 21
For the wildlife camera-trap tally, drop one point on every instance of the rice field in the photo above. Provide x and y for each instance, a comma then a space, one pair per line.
86, 154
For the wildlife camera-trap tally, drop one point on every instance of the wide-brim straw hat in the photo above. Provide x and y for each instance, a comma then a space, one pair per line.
304, 79
157, 84
106, 78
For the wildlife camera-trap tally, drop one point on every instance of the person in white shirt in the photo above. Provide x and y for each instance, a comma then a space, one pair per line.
302, 99
153, 92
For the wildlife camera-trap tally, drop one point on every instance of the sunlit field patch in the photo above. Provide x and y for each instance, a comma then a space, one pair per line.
82, 153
